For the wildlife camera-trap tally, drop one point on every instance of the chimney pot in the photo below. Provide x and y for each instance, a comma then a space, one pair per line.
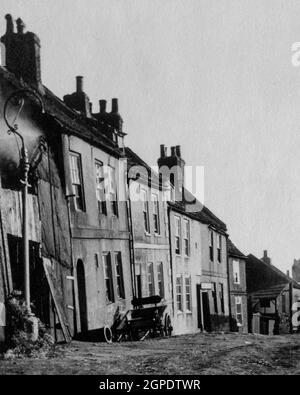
178, 151
162, 151
265, 253
9, 24
79, 83
20, 26
114, 106
288, 273
102, 104
173, 151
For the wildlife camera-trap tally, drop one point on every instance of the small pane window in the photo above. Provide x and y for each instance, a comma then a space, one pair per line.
221, 295
112, 190
186, 237
145, 208
119, 275
108, 277
160, 279
177, 235
236, 272
151, 290
100, 187
239, 313
188, 300
219, 248
179, 293
156, 214
77, 183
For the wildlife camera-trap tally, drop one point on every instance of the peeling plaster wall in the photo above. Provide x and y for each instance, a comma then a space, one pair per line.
48, 219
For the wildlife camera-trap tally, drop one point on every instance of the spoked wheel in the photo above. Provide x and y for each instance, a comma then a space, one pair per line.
168, 325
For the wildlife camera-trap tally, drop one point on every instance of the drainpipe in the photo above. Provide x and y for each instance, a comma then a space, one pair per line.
171, 262
131, 241
291, 305
228, 281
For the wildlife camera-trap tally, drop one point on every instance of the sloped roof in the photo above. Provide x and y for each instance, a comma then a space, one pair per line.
254, 264
198, 211
88, 129
133, 159
270, 292
234, 251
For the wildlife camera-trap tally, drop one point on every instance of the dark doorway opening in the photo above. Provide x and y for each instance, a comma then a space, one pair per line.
206, 312
199, 313
139, 285
39, 288
82, 295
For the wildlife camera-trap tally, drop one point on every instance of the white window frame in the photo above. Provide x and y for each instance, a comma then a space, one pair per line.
236, 272
188, 294
156, 217
150, 279
219, 248
179, 295
186, 237
112, 190
145, 209
108, 276
100, 187
160, 279
238, 302
120, 286
177, 221
77, 179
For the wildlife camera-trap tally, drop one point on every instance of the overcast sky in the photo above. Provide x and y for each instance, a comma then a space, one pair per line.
215, 77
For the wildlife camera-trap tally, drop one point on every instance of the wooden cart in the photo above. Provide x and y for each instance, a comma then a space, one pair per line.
142, 322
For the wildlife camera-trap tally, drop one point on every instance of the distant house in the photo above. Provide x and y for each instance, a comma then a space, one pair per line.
238, 289
271, 296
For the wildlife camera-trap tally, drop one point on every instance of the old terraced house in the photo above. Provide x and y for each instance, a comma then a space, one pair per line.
238, 289
198, 241
271, 297
104, 228
78, 216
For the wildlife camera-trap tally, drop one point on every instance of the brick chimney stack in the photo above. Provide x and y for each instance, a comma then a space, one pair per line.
266, 259
79, 100
22, 52
296, 270
112, 118
171, 168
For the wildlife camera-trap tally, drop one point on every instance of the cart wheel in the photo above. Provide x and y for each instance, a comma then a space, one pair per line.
168, 325
107, 334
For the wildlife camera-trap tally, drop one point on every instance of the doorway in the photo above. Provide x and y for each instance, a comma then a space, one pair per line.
82, 295
206, 312
199, 312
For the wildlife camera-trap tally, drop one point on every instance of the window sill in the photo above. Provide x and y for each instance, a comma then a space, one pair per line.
147, 234
189, 312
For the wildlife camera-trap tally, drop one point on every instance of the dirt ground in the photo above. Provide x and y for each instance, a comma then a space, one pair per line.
205, 354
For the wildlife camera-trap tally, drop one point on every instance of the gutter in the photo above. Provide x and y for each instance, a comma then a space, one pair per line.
171, 262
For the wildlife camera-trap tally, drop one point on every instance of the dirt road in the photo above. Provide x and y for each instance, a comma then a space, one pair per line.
205, 354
